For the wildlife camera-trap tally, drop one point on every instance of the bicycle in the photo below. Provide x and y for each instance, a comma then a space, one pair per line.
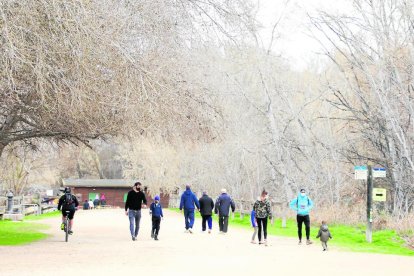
66, 225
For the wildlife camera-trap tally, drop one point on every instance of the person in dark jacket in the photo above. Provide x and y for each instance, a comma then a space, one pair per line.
188, 202
223, 204
86, 205
206, 211
68, 202
156, 215
324, 235
135, 200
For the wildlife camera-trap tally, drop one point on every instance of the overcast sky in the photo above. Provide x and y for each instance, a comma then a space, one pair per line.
294, 43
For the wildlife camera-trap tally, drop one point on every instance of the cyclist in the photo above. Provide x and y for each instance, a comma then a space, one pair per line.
68, 202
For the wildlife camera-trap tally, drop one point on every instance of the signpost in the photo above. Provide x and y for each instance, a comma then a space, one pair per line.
368, 173
379, 194
361, 172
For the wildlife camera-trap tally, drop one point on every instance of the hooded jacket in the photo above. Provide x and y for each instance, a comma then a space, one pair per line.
206, 205
302, 205
324, 233
188, 200
223, 204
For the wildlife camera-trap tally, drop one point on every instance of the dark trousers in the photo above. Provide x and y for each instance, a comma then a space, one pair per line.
306, 220
156, 221
223, 223
262, 224
189, 218
209, 220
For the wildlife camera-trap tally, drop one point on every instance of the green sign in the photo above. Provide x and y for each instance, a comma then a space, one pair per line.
379, 194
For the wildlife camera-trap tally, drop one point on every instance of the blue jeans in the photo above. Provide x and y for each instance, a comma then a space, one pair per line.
189, 218
134, 218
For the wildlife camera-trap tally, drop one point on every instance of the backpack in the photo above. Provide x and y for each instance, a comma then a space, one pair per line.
68, 200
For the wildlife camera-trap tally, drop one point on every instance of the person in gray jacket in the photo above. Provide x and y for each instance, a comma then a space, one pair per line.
222, 207
324, 235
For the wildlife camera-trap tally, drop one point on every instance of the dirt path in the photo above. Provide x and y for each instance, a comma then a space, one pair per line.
101, 245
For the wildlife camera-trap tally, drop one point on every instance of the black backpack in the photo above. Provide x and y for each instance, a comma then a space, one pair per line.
68, 200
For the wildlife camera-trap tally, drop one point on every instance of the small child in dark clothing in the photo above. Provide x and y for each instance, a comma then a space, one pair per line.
324, 235
156, 212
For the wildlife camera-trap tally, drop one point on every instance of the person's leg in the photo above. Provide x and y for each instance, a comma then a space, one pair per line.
221, 223
191, 217
210, 223
153, 227
324, 246
265, 229
299, 220
225, 224
254, 234
137, 221
203, 223
307, 226
157, 227
259, 225
131, 217
186, 217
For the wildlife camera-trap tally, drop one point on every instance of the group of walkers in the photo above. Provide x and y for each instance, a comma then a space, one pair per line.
260, 214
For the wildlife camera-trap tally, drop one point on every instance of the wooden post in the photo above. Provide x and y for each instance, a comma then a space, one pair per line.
369, 206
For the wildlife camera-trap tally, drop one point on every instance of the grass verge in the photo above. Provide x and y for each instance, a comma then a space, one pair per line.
23, 232
345, 237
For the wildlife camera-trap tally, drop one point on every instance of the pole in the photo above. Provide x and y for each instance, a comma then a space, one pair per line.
369, 205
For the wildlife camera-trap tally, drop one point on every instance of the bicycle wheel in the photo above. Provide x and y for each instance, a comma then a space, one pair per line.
66, 229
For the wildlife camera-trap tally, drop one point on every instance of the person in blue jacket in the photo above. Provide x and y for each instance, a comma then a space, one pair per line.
156, 213
188, 202
302, 204
254, 224
222, 207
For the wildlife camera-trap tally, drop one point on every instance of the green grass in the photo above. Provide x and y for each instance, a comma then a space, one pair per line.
44, 216
20, 232
344, 237
24, 232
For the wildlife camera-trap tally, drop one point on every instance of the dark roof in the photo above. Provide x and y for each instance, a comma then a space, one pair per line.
108, 183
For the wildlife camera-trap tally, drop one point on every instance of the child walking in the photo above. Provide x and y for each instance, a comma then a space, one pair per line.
156, 212
254, 225
324, 235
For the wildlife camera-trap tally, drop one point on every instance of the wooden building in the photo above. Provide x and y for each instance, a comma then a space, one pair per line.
115, 190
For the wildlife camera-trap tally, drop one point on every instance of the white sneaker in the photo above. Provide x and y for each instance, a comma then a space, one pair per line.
190, 230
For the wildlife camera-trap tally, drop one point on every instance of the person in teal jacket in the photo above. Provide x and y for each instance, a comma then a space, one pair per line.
302, 204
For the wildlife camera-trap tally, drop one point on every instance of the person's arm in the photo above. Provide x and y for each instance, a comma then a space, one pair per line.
144, 199
196, 202
75, 200
162, 215
217, 205
182, 202
60, 203
151, 208
330, 236
233, 206
294, 204
201, 203
319, 233
127, 204
310, 206
269, 209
